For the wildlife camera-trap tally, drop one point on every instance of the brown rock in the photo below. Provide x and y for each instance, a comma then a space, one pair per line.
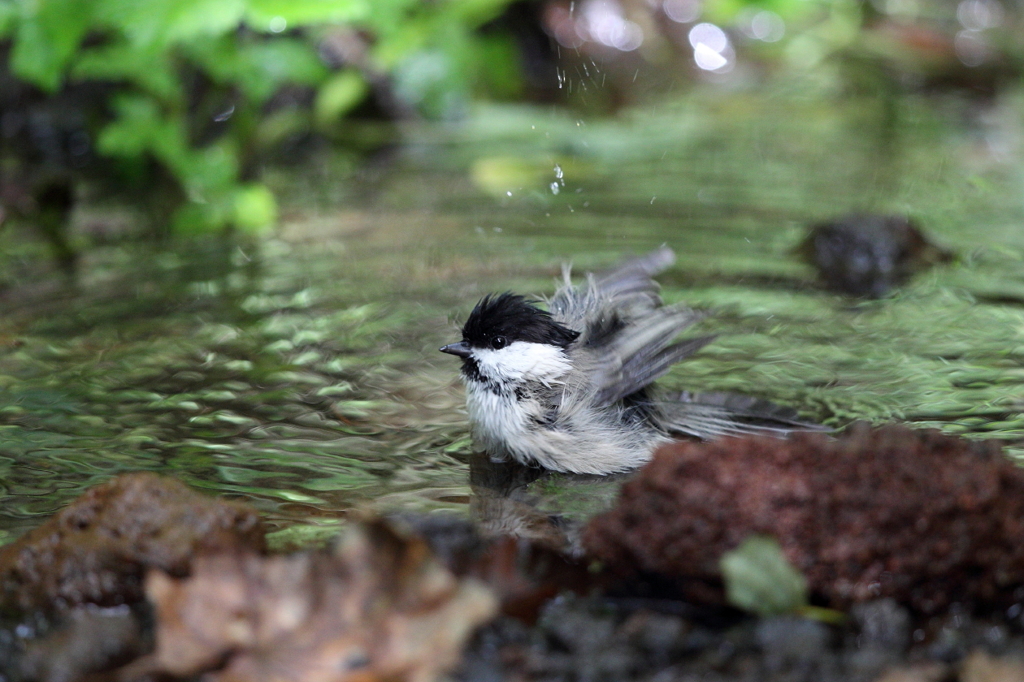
924, 518
98, 548
380, 607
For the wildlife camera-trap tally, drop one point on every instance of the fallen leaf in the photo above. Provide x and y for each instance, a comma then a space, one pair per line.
379, 606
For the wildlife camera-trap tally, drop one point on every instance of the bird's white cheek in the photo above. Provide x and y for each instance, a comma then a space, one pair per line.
523, 360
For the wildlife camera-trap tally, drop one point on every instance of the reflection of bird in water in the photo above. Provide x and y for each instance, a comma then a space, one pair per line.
549, 509
571, 389
863, 254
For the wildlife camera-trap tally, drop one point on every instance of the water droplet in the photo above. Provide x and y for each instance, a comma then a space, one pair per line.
224, 115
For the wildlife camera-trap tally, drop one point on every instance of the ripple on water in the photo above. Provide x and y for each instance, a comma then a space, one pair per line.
305, 378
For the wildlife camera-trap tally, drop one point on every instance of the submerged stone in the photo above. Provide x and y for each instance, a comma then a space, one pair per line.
864, 254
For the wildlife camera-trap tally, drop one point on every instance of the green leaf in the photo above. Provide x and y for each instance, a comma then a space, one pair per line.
161, 22
193, 19
279, 125
251, 208
723, 11
759, 578
8, 17
198, 218
220, 58
255, 208
339, 95
500, 71
137, 128
46, 38
431, 82
206, 173
387, 16
474, 13
259, 68
279, 15
272, 63
142, 127
400, 41
150, 70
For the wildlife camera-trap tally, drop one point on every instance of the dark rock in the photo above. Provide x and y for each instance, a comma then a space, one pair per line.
453, 539
97, 550
878, 637
864, 254
920, 517
590, 639
91, 639
882, 624
790, 640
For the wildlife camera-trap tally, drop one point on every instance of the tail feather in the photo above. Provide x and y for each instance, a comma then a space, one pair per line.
711, 415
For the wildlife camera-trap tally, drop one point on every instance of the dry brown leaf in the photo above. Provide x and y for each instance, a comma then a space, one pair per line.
981, 667
920, 672
379, 607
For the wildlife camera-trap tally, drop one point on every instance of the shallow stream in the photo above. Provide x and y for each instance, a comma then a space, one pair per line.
301, 372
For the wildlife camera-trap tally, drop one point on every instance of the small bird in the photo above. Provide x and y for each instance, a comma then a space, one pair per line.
570, 388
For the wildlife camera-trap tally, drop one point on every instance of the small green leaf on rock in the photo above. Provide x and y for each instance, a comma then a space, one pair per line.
759, 578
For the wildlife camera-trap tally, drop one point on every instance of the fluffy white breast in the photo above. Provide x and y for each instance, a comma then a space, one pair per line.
522, 361
509, 422
501, 418
498, 420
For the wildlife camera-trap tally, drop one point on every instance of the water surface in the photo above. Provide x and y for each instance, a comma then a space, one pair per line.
301, 373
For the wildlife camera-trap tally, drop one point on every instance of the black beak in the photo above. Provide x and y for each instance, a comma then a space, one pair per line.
461, 349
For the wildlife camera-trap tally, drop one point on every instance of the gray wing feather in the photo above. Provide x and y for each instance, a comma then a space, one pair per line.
644, 368
626, 335
631, 356
626, 344
627, 291
634, 276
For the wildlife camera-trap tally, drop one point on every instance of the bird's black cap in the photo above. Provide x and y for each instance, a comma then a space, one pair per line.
510, 316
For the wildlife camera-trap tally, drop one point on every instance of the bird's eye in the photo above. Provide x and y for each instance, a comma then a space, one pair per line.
499, 342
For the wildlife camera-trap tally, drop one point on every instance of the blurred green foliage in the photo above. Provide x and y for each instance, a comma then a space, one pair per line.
196, 85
